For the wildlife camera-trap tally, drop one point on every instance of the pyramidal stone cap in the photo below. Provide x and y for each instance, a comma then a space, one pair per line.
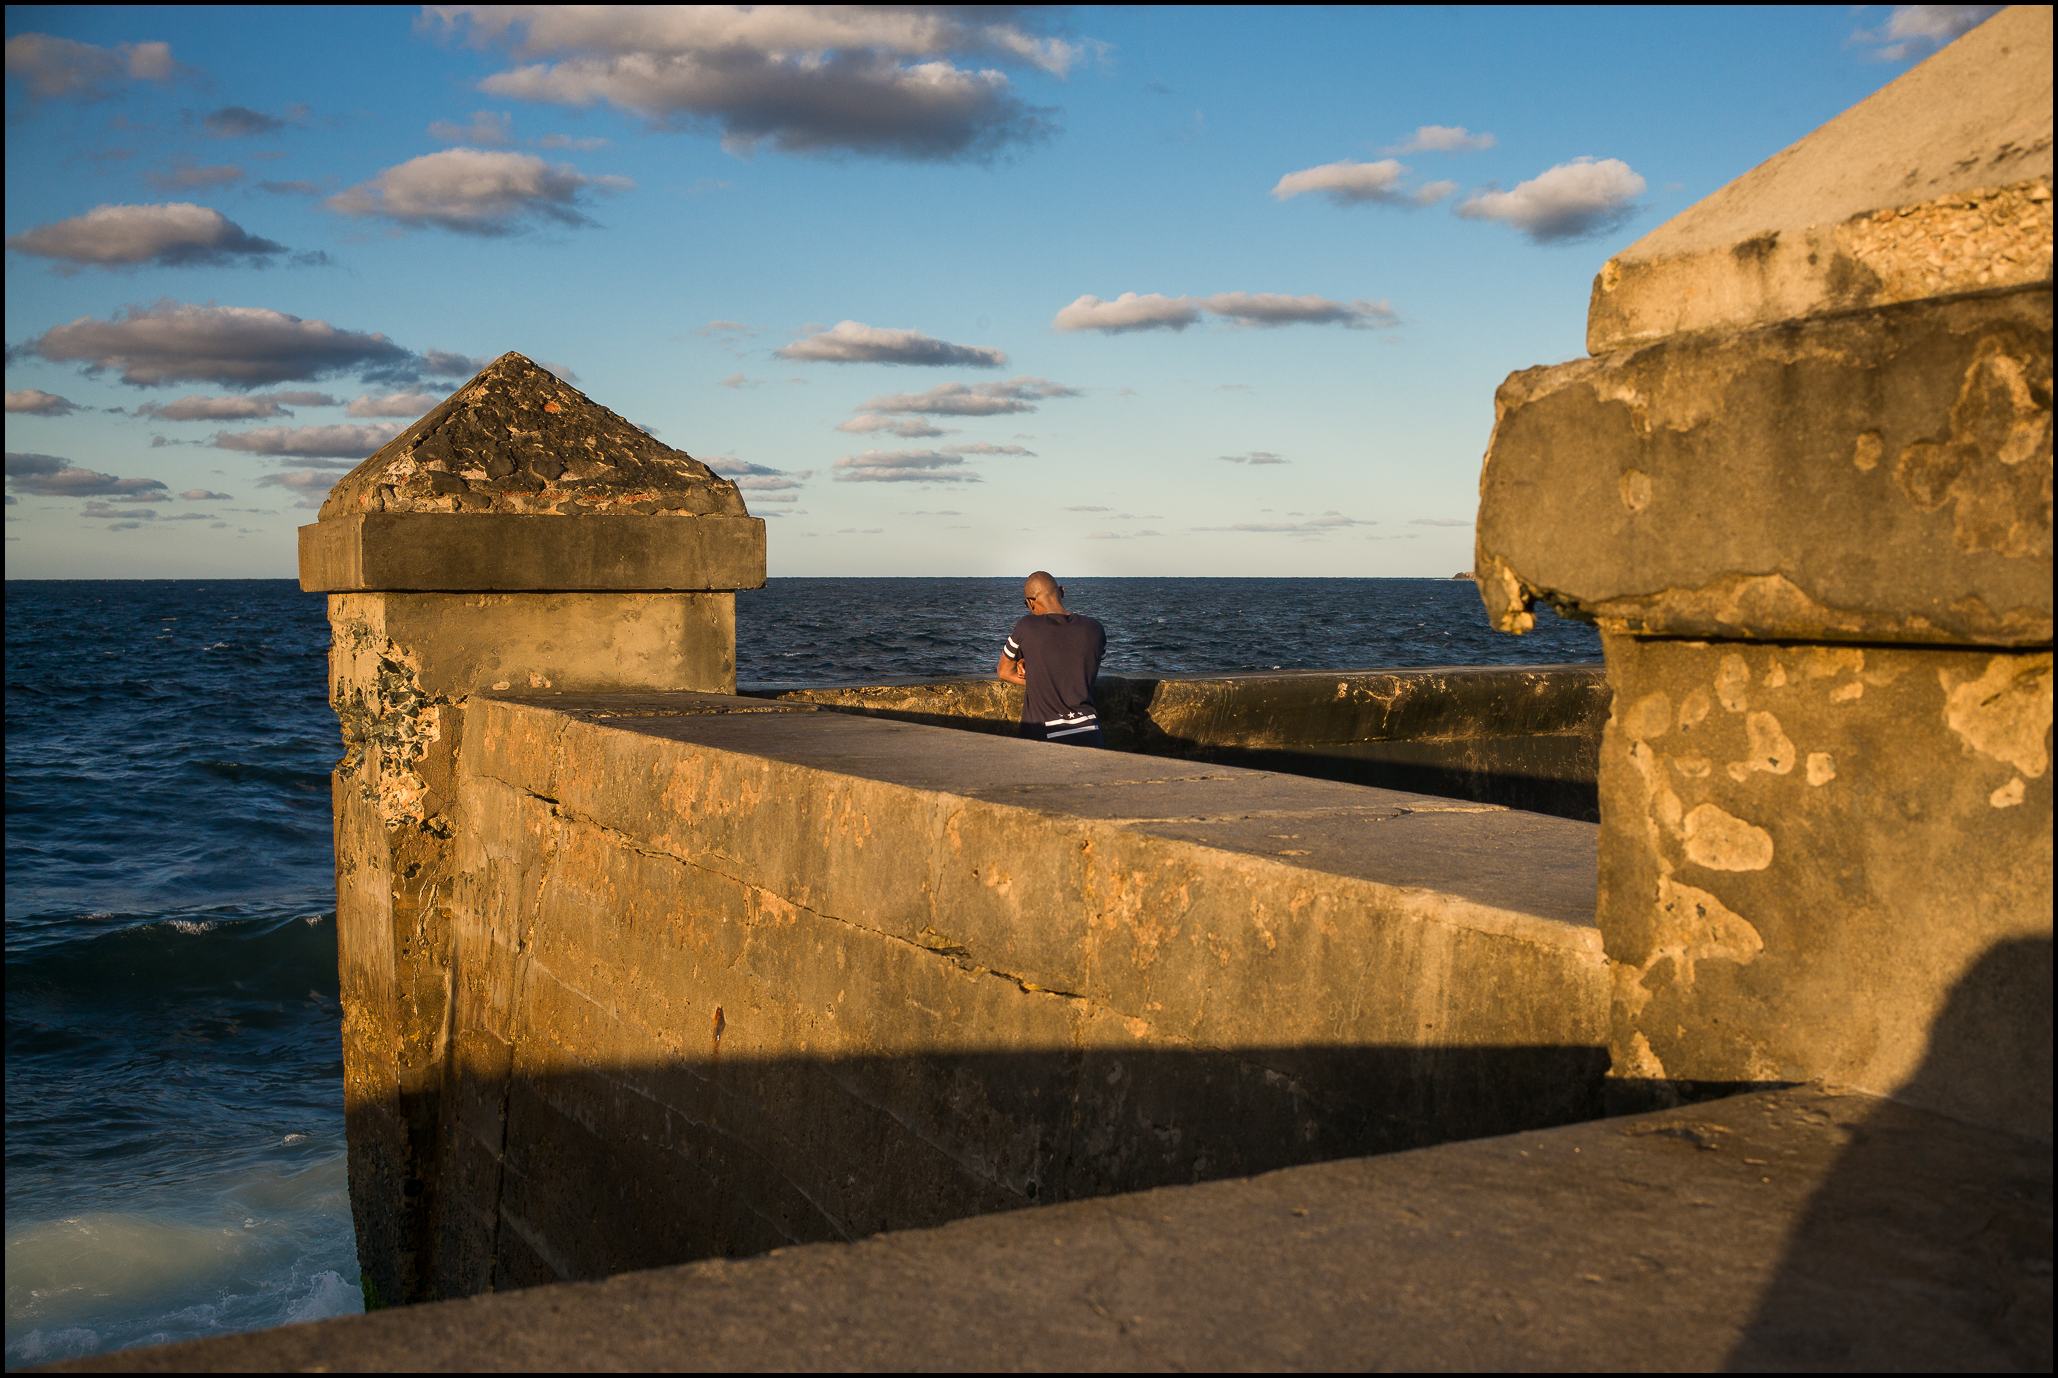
519, 481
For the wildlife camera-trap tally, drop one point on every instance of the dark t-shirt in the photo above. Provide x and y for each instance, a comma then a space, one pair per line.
1061, 654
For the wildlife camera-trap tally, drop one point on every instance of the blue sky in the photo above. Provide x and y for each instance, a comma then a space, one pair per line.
748, 229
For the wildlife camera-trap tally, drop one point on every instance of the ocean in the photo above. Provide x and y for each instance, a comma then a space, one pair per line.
174, 1141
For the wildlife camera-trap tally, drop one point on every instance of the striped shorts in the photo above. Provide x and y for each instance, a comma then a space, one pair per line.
1075, 729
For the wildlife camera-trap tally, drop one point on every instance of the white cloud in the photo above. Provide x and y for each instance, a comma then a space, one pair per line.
175, 234
403, 404
571, 143
1346, 183
186, 175
904, 466
1260, 457
1429, 193
1911, 29
307, 442
36, 402
1574, 200
1308, 526
972, 399
1132, 312
475, 191
236, 346
906, 427
311, 485
1443, 138
256, 407
53, 477
61, 67
759, 478
206, 495
1440, 521
881, 80
240, 121
486, 129
851, 342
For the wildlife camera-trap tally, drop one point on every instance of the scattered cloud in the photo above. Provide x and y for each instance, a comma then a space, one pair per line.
1440, 521
906, 427
487, 129
1346, 183
1119, 535
971, 399
293, 188
306, 442
859, 530
571, 143
1254, 457
256, 407
476, 191
1442, 138
1571, 201
878, 81
737, 380
172, 235
1089, 509
206, 495
53, 68
904, 466
1307, 526
310, 486
851, 342
1130, 312
186, 175
240, 121
442, 363
759, 478
934, 512
36, 402
50, 476
1429, 193
234, 346
727, 328
1911, 29
404, 404
981, 447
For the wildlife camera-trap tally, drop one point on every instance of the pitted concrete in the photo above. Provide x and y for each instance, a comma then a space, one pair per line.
1790, 1230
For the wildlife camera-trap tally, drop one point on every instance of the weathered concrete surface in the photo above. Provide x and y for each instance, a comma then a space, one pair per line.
1937, 185
519, 439
755, 978
1807, 847
1880, 477
422, 551
1789, 1230
1524, 736
402, 668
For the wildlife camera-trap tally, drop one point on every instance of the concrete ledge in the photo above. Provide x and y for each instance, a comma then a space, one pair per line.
778, 975
498, 552
1523, 736
1883, 478
1938, 184
1789, 1230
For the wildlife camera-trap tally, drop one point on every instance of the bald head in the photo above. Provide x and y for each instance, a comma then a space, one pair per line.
1042, 593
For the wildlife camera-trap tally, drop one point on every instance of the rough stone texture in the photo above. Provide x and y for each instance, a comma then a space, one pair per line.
1939, 184
402, 668
1527, 736
518, 439
423, 551
1880, 477
1807, 850
1789, 1230
760, 977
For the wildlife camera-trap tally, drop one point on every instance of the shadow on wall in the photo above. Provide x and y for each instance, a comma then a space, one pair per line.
1901, 1211
548, 1174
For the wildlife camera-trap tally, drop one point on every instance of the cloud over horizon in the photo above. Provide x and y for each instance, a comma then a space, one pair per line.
1356, 184
1442, 138
476, 192
307, 442
905, 466
174, 234
1131, 312
1572, 201
233, 346
852, 342
51, 476
36, 402
882, 81
971, 399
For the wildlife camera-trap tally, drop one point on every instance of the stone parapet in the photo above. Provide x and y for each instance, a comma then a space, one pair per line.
507, 552
1804, 487
1524, 736
1877, 477
1936, 186
753, 974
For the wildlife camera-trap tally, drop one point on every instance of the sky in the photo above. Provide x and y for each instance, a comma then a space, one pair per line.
1135, 291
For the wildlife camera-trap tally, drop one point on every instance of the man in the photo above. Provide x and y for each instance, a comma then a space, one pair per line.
1054, 655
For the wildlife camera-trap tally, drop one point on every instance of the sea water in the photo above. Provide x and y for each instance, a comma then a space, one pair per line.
174, 1141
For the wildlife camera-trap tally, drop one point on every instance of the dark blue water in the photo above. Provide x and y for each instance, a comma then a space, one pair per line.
174, 1113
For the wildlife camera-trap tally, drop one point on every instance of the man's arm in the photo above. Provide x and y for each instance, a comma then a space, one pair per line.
1009, 667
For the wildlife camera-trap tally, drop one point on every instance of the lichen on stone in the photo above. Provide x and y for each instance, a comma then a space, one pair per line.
518, 440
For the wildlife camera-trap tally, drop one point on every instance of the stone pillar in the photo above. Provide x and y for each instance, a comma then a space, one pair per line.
518, 537
1803, 484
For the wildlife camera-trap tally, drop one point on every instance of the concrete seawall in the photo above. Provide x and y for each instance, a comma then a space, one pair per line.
1524, 736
